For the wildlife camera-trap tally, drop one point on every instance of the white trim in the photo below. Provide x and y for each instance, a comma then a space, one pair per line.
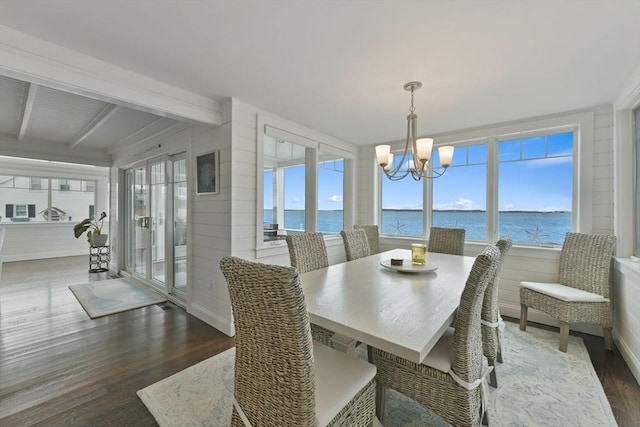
203, 313
41, 62
624, 196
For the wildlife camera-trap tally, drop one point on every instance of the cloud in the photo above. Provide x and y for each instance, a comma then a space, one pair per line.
336, 198
460, 204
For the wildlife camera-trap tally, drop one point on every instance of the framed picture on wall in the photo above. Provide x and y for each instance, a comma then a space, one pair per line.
208, 173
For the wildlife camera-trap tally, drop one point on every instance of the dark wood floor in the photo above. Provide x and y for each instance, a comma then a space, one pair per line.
60, 368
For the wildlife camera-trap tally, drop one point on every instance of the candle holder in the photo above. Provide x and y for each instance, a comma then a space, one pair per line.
418, 254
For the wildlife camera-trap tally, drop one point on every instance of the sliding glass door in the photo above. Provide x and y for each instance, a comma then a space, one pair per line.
156, 227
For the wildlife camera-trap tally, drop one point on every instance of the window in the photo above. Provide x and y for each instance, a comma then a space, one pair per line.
330, 194
302, 181
518, 180
36, 183
21, 211
284, 179
38, 199
535, 188
460, 195
402, 206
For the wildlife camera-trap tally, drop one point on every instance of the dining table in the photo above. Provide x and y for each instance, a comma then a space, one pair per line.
402, 310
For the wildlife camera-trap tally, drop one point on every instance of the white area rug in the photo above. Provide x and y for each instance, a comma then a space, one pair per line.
538, 386
113, 296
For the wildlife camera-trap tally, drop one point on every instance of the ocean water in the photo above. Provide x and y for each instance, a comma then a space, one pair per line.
522, 227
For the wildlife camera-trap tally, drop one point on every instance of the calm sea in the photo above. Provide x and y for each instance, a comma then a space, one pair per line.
523, 227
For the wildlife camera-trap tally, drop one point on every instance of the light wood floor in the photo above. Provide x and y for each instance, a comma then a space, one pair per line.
60, 368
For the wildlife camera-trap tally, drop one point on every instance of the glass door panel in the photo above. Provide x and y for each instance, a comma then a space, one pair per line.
156, 229
157, 220
180, 224
141, 220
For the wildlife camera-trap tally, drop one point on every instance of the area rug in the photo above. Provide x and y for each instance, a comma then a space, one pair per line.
538, 386
106, 297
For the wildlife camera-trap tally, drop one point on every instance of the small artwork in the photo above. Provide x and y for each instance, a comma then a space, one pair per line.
208, 173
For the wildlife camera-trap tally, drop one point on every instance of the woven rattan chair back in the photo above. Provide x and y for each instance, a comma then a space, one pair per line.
356, 244
446, 240
436, 389
373, 236
585, 262
491, 345
467, 342
274, 376
307, 251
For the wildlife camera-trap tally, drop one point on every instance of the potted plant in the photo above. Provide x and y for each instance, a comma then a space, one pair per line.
93, 227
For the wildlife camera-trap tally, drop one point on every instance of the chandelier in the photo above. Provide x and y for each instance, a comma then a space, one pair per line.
421, 149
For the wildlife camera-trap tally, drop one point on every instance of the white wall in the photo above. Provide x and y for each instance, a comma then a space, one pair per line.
626, 331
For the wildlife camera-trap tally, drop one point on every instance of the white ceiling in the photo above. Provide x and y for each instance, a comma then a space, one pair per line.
339, 66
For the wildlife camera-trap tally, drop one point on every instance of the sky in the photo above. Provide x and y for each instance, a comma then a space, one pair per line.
526, 180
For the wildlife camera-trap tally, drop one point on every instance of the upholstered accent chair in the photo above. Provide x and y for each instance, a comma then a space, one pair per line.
450, 381
581, 293
491, 321
373, 236
282, 377
356, 244
446, 240
308, 252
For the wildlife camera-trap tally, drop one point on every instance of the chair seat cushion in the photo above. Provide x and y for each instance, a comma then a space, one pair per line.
562, 292
338, 379
441, 355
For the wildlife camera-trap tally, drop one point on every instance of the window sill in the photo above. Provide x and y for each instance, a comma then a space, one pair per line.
628, 267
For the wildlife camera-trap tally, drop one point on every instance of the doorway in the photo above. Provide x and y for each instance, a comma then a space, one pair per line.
156, 224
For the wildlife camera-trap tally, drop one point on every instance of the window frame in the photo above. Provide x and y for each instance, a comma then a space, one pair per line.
314, 143
582, 124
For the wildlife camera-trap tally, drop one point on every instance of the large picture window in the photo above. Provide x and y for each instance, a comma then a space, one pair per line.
522, 184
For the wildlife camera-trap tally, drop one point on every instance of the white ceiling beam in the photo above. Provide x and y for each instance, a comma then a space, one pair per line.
28, 58
27, 108
101, 118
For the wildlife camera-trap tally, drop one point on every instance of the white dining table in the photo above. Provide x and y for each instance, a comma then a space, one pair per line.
401, 313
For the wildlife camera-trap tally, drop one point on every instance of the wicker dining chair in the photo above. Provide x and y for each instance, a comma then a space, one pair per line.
308, 252
282, 377
356, 244
582, 291
491, 321
451, 379
446, 240
373, 236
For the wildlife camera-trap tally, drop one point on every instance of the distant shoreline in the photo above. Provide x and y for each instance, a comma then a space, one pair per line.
444, 210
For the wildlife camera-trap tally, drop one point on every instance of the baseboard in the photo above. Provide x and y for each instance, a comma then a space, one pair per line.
627, 354
203, 313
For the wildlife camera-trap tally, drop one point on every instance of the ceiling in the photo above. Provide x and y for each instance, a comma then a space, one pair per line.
337, 67
33, 112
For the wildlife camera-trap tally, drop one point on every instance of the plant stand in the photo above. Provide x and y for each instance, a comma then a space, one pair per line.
99, 259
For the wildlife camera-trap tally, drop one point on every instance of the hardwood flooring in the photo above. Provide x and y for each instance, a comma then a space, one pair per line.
60, 368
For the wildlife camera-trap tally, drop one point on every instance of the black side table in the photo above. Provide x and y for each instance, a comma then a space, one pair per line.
98, 259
